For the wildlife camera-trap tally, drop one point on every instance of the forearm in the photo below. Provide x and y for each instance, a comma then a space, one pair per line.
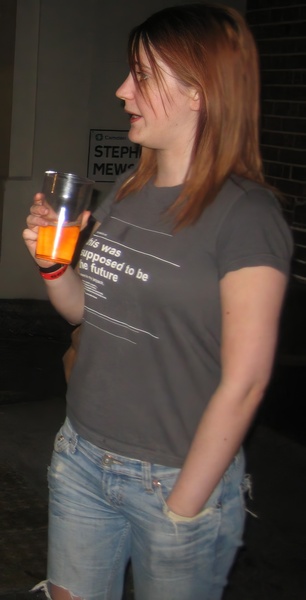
219, 436
251, 300
66, 294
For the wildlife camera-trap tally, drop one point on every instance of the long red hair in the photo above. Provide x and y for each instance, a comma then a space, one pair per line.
211, 49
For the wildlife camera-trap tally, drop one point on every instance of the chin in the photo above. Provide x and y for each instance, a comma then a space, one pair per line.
132, 135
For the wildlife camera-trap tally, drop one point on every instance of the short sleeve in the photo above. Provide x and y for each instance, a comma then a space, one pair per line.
254, 233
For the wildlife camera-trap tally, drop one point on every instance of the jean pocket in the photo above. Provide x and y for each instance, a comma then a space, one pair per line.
206, 512
60, 443
211, 507
65, 439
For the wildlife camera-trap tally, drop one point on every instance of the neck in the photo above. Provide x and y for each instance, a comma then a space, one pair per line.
171, 170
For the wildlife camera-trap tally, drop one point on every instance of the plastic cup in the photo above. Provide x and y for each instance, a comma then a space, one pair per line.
67, 196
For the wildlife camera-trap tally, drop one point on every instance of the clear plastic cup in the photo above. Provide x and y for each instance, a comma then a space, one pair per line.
67, 196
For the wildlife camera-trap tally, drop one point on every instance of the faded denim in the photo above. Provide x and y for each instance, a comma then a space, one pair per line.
105, 509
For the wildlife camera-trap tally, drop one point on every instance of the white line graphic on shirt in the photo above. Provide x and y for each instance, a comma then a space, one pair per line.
103, 261
98, 234
112, 334
92, 290
119, 323
143, 228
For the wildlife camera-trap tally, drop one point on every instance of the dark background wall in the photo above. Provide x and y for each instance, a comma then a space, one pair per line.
279, 27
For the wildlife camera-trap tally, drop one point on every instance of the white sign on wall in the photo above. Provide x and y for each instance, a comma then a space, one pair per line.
110, 154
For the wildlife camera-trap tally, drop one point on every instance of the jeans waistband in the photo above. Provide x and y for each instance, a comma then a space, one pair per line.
123, 464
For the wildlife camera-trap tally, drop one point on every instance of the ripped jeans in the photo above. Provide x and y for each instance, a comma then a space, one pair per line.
105, 509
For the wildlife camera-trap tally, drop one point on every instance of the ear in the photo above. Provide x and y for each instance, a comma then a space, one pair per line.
195, 99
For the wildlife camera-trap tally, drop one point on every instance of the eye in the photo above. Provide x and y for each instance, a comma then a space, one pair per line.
141, 76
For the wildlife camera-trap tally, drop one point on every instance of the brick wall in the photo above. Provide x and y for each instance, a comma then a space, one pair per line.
279, 27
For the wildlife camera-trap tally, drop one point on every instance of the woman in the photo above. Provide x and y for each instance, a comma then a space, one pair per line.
180, 292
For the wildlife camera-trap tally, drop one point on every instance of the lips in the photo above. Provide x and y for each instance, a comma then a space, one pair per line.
133, 116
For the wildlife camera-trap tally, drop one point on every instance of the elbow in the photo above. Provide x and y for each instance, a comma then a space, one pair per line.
257, 393
246, 395
254, 396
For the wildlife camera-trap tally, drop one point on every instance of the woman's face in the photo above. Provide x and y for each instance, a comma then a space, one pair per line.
162, 116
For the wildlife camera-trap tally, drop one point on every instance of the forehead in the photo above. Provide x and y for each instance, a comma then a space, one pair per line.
152, 62
146, 58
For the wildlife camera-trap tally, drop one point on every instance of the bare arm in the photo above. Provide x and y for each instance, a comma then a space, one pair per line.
67, 296
251, 303
66, 293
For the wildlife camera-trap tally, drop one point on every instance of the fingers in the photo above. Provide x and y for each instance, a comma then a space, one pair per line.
39, 207
38, 213
34, 220
85, 217
30, 239
30, 235
38, 199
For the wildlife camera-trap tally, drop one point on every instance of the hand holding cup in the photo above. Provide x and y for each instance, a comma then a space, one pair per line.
65, 198
37, 218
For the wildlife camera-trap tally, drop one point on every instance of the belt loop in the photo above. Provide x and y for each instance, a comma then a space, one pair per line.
146, 476
73, 442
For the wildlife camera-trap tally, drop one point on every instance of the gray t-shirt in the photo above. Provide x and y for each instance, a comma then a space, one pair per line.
149, 357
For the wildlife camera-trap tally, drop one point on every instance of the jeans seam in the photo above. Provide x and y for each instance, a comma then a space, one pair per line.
117, 559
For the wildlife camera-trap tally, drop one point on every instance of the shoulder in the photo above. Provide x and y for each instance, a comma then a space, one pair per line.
244, 192
251, 227
247, 202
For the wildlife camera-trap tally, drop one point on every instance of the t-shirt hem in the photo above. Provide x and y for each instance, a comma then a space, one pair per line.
125, 449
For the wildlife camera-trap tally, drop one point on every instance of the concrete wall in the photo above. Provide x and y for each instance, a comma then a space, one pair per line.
69, 59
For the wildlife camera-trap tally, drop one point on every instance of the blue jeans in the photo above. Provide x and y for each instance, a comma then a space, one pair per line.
105, 509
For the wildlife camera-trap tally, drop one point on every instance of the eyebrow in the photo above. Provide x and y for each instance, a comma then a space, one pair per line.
141, 65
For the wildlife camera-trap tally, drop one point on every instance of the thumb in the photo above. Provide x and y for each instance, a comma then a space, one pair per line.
85, 217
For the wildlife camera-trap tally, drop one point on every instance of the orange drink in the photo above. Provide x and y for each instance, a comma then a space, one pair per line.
57, 242
66, 196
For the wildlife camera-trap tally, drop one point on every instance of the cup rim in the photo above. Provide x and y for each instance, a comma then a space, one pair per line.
69, 176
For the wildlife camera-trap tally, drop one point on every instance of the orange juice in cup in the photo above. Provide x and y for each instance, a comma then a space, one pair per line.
66, 196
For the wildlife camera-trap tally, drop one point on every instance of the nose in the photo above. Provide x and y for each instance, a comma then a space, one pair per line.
126, 90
